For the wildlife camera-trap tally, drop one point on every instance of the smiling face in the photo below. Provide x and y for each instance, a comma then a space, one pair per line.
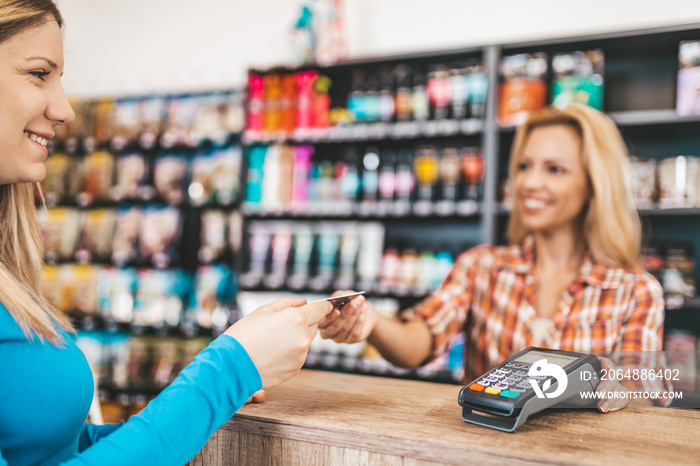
550, 184
33, 101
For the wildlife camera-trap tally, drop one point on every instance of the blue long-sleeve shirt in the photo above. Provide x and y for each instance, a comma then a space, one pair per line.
45, 395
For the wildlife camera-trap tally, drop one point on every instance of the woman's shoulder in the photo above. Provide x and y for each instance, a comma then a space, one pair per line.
636, 278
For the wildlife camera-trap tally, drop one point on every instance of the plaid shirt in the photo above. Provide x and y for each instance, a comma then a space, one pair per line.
489, 296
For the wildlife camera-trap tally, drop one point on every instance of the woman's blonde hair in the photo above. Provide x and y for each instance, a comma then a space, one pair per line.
21, 243
612, 229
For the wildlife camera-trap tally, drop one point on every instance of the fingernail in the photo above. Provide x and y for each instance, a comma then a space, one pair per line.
605, 406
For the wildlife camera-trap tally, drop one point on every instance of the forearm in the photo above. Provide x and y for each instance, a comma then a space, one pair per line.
404, 344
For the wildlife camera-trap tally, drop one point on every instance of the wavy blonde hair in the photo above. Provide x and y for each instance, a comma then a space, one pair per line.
611, 224
21, 243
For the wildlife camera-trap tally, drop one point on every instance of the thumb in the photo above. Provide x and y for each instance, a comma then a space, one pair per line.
282, 303
316, 311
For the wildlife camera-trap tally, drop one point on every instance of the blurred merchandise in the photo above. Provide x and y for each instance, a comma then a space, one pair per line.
116, 291
160, 298
132, 176
169, 177
320, 33
523, 89
126, 236
95, 244
215, 177
98, 177
302, 38
643, 181
679, 182
322, 256
679, 347
213, 238
688, 93
153, 121
371, 182
159, 240
72, 288
211, 303
61, 230
56, 187
578, 78
674, 266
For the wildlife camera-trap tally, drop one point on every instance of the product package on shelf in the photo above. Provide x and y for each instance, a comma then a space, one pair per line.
578, 78
132, 178
679, 182
159, 240
644, 182
95, 244
72, 288
674, 266
159, 301
211, 302
61, 230
688, 92
523, 88
215, 177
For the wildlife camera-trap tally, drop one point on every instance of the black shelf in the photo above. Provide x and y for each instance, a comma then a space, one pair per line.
357, 217
367, 132
353, 366
651, 117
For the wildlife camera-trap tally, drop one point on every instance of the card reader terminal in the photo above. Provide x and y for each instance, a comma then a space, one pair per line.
532, 380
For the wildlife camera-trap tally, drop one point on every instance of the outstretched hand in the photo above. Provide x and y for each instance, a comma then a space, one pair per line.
607, 388
351, 324
277, 336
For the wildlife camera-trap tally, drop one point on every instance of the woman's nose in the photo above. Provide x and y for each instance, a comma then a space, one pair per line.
533, 178
59, 109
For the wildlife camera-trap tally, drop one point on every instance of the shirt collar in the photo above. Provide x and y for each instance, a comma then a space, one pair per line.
520, 259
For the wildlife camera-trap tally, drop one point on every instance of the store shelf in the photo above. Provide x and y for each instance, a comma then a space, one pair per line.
351, 365
690, 400
651, 117
471, 213
361, 132
373, 290
658, 212
651, 212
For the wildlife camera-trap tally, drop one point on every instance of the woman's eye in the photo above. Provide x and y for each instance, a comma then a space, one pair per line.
556, 170
39, 74
523, 166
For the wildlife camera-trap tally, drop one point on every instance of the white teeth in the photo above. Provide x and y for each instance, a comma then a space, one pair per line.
534, 204
37, 139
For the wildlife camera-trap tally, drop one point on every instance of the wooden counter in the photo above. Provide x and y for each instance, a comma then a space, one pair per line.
326, 418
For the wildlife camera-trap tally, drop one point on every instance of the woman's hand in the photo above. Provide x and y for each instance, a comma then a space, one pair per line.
258, 397
351, 324
607, 387
277, 336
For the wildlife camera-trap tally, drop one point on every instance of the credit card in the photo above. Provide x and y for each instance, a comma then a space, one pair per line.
339, 301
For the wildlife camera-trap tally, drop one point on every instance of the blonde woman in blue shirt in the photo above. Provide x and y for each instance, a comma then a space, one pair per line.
45, 383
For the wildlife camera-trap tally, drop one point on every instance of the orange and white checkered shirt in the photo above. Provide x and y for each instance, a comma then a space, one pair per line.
489, 296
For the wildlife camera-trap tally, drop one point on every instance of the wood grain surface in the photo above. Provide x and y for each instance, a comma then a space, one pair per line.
330, 418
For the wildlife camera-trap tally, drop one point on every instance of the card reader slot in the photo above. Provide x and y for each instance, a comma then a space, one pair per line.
493, 404
507, 424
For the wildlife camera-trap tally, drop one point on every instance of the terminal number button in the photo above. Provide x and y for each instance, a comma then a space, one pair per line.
476, 387
492, 391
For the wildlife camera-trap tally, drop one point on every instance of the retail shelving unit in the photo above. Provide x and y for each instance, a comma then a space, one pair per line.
640, 79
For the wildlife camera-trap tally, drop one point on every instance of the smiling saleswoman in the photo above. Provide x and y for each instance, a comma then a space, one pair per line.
570, 278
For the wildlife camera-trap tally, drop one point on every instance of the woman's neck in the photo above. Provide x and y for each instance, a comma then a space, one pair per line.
563, 249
